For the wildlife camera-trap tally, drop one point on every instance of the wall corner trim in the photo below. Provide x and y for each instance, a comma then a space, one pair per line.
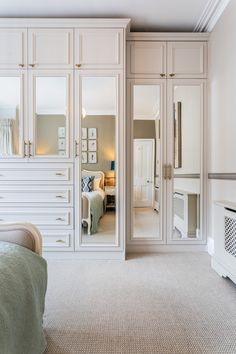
210, 15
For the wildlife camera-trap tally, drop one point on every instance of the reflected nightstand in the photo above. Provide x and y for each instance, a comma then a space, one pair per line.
110, 197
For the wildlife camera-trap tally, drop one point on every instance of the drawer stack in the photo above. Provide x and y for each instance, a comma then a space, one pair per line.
41, 194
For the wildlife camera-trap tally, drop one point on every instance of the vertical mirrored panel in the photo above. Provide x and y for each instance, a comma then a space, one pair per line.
187, 162
10, 125
51, 116
98, 160
146, 162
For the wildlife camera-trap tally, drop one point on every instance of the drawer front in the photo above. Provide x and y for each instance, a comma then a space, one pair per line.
99, 48
43, 218
41, 195
36, 173
58, 240
146, 59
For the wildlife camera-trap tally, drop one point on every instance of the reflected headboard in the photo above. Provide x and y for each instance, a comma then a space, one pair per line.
98, 174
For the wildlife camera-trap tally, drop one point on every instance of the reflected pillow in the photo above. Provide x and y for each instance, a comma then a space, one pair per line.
87, 183
96, 183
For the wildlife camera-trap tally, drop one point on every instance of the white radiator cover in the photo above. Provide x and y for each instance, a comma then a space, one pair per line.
224, 231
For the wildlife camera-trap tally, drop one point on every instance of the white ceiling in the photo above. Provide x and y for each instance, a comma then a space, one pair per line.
146, 15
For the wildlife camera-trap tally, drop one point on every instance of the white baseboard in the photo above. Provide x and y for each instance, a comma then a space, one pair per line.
165, 248
210, 246
84, 255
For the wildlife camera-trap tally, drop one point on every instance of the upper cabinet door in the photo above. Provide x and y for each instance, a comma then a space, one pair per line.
146, 59
187, 60
50, 48
99, 48
13, 48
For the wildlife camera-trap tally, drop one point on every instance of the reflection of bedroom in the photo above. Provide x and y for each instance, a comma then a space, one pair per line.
98, 161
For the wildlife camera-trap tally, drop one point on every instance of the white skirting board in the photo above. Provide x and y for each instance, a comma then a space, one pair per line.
165, 248
95, 255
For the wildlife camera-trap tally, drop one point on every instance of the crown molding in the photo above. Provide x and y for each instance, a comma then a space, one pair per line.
66, 22
211, 15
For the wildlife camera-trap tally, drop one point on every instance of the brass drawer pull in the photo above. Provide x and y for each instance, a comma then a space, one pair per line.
32, 65
78, 65
59, 174
162, 75
21, 65
172, 75
60, 241
60, 219
60, 196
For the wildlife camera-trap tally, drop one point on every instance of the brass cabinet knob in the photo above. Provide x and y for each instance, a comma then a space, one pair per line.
162, 75
78, 65
21, 65
172, 75
32, 65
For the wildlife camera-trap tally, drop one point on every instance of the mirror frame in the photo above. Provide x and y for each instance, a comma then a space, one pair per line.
22, 116
120, 231
130, 84
203, 158
69, 113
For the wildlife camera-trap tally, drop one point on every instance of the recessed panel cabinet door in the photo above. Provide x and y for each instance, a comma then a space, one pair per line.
13, 48
99, 48
187, 60
50, 48
146, 59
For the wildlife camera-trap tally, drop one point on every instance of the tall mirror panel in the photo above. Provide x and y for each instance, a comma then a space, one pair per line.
10, 124
98, 160
187, 162
146, 162
51, 116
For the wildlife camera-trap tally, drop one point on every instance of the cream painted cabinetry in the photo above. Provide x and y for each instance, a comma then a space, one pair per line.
39, 108
50, 48
99, 48
187, 59
146, 59
13, 44
166, 102
149, 58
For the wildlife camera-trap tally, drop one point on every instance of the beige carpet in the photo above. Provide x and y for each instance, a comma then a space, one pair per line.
166, 303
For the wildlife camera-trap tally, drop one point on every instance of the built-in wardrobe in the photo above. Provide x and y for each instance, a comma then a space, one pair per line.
102, 140
166, 141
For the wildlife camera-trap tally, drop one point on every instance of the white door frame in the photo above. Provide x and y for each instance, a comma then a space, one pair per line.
153, 162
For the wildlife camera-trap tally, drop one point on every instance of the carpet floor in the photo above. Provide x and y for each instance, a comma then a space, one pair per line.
162, 303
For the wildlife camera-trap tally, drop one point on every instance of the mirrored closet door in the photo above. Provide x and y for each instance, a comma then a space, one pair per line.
99, 128
185, 155
146, 118
50, 114
12, 135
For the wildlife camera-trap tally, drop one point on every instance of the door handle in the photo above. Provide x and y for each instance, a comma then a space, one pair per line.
76, 148
29, 149
169, 172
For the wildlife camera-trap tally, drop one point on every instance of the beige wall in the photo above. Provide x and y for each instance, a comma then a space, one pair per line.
105, 141
47, 133
222, 108
144, 129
